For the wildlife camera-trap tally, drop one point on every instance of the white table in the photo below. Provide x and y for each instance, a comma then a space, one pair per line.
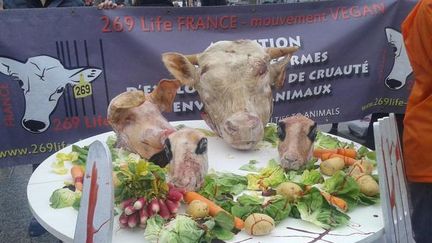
366, 224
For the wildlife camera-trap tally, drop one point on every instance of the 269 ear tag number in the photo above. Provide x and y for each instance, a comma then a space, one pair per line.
82, 89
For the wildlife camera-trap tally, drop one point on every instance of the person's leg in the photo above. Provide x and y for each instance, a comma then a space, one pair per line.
421, 216
334, 128
35, 229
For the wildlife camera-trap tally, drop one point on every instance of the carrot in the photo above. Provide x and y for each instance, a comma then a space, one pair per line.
213, 207
335, 201
352, 153
77, 176
348, 160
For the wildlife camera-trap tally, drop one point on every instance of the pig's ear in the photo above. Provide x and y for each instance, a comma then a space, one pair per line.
164, 94
278, 68
120, 104
181, 67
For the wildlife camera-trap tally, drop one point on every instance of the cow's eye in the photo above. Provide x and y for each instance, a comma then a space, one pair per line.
313, 132
202, 146
168, 151
281, 131
60, 90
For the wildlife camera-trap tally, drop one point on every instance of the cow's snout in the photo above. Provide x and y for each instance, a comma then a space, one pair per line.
291, 162
243, 130
393, 83
34, 125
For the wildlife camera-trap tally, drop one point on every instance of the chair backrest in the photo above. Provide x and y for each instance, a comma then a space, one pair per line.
394, 198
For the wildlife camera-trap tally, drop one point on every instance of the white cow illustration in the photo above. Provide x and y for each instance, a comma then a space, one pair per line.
401, 67
43, 80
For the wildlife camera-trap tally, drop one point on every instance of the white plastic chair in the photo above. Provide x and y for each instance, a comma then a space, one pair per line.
394, 197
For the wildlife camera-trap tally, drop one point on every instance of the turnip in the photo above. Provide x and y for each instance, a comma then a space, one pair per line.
367, 184
361, 167
332, 165
197, 209
290, 191
259, 224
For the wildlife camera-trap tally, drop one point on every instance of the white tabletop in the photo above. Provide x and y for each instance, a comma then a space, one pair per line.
366, 224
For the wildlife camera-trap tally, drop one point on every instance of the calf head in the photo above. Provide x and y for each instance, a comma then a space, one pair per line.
297, 135
234, 80
137, 120
187, 150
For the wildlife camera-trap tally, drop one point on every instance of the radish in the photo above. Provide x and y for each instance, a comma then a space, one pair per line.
163, 212
172, 206
127, 202
132, 220
175, 195
143, 215
129, 210
154, 205
139, 203
149, 210
123, 220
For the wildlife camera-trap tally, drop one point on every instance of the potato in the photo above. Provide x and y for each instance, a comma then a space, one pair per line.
197, 209
367, 184
290, 191
361, 167
259, 224
332, 165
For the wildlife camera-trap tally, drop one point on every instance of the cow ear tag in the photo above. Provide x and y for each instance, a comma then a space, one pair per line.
82, 89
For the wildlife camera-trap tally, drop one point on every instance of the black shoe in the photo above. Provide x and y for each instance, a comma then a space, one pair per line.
35, 229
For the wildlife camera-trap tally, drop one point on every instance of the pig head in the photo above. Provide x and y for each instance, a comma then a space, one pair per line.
234, 80
297, 135
137, 120
187, 151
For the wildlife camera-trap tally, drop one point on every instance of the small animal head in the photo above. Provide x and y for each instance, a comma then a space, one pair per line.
187, 150
297, 135
137, 120
234, 80
401, 69
43, 80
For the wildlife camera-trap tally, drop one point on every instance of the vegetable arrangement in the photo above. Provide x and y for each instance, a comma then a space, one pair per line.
338, 179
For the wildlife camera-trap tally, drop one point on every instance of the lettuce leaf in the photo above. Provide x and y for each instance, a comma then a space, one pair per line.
313, 208
270, 176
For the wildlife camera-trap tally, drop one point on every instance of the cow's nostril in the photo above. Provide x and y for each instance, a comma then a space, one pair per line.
34, 125
231, 127
393, 83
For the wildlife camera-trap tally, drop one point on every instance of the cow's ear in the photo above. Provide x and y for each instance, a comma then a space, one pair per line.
164, 94
9, 66
180, 67
278, 72
89, 74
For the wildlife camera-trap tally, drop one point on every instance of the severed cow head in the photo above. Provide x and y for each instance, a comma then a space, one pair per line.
234, 80
137, 120
187, 150
297, 135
